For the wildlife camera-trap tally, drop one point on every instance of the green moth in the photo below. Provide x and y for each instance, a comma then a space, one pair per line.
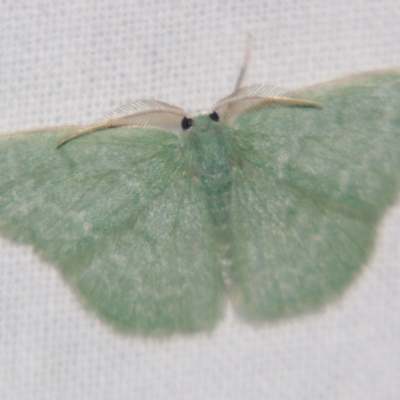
155, 218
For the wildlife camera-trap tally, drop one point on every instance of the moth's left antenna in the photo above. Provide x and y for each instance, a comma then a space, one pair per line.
245, 62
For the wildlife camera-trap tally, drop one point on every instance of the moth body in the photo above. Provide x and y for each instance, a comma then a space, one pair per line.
206, 139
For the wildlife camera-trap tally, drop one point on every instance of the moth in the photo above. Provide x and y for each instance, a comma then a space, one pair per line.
156, 217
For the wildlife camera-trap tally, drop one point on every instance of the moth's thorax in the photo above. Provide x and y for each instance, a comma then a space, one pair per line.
208, 143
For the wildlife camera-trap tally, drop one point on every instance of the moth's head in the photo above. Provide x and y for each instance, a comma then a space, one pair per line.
202, 122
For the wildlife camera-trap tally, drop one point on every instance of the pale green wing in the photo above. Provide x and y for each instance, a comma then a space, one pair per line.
309, 190
116, 213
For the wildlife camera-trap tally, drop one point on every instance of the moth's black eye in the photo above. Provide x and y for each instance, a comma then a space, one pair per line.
214, 116
186, 123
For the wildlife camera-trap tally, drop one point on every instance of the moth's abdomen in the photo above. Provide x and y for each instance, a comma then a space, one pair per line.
219, 205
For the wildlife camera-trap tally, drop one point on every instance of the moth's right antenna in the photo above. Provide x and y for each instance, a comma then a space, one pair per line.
245, 63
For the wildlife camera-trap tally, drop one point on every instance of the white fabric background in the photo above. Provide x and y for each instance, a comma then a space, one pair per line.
70, 62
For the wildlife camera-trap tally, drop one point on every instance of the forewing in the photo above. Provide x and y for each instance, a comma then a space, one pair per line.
115, 211
308, 192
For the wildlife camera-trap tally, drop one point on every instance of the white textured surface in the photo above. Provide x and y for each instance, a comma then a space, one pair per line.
71, 62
